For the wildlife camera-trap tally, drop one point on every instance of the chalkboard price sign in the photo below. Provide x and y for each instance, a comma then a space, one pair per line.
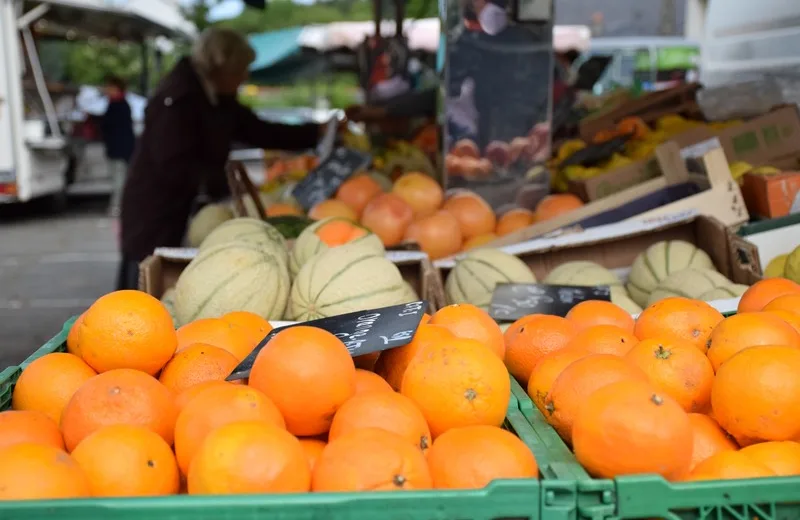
361, 332
325, 179
512, 301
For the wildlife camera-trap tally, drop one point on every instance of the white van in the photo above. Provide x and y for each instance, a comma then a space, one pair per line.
745, 39
35, 150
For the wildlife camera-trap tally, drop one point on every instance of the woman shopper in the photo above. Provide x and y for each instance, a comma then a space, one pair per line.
190, 123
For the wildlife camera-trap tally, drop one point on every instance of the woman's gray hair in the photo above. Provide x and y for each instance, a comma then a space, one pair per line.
222, 51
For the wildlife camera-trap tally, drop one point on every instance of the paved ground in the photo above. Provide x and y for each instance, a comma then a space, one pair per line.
52, 266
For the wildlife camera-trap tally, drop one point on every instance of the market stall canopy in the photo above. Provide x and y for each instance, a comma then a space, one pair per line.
133, 20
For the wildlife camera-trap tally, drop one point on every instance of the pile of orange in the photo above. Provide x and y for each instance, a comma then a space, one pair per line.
416, 210
135, 408
681, 391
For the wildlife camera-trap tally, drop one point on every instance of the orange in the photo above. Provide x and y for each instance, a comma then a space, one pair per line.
366, 361
127, 461
596, 312
390, 411
188, 394
555, 205
789, 317
219, 333
255, 326
678, 318
370, 459
280, 208
216, 407
420, 191
626, 428
357, 191
514, 220
438, 234
474, 214
478, 241
127, 329
787, 302
458, 382
546, 371
249, 457
578, 382
604, 339
678, 369
473, 456
74, 336
368, 382
388, 216
308, 373
708, 438
196, 364
392, 363
121, 396
531, 338
756, 395
29, 426
313, 449
749, 329
783, 458
467, 321
48, 383
764, 291
339, 232
38, 471
729, 465
332, 208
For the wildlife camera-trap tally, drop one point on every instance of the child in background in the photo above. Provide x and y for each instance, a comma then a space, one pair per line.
117, 128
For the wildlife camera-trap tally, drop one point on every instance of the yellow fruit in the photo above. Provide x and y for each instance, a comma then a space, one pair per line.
570, 147
792, 268
766, 170
776, 267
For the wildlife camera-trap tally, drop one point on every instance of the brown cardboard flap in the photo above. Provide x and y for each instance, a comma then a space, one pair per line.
745, 263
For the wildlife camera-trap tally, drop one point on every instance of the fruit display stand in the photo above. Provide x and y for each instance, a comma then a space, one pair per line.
160, 271
524, 499
651, 496
716, 195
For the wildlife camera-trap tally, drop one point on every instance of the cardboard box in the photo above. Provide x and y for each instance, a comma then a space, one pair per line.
756, 245
716, 195
616, 246
772, 196
160, 271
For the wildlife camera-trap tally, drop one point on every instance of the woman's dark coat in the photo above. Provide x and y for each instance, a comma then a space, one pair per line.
185, 145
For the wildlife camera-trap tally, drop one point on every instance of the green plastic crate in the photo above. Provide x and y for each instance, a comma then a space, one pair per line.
650, 496
526, 499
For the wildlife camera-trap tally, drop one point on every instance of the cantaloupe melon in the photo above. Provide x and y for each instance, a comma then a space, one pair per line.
661, 260
343, 279
582, 272
688, 283
621, 298
233, 276
476, 274
723, 293
251, 231
309, 243
410, 294
205, 221
168, 299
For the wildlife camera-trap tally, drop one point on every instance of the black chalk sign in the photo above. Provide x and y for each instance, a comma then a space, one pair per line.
361, 332
323, 181
512, 301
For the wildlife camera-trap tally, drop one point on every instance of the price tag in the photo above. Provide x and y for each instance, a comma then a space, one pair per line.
512, 301
361, 332
325, 179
